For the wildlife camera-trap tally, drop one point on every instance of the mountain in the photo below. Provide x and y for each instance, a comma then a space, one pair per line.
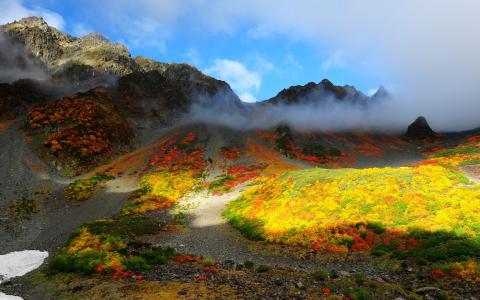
61, 52
320, 93
93, 58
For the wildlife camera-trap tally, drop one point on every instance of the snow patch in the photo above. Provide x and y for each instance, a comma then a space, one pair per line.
19, 263
8, 297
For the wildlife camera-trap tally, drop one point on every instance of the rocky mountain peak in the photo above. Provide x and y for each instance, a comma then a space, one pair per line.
317, 93
95, 37
381, 93
59, 51
32, 22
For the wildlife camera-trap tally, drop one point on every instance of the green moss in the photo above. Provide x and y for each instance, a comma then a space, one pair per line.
249, 228
470, 162
127, 226
455, 151
83, 189
219, 184
22, 209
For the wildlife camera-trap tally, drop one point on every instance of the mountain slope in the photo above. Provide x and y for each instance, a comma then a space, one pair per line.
80, 59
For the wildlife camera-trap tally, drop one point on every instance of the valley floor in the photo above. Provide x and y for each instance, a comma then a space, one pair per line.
183, 208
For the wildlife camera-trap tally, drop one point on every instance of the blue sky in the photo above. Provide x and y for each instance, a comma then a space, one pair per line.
257, 62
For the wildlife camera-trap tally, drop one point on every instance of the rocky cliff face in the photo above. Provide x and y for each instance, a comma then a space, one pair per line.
90, 57
60, 51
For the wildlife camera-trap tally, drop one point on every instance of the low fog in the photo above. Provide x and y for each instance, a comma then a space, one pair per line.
328, 113
17, 62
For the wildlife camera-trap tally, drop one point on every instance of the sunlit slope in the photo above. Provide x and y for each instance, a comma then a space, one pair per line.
430, 211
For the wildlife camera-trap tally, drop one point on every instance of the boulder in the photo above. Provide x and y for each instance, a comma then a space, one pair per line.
420, 130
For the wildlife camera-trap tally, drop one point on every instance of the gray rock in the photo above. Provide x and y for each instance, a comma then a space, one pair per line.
428, 289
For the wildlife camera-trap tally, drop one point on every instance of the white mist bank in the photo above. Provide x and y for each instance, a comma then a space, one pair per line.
382, 115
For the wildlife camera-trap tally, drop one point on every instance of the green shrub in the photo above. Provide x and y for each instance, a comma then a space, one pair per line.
262, 268
319, 275
87, 262
137, 263
84, 263
360, 279
127, 226
378, 252
249, 264
157, 255
333, 274
22, 209
180, 219
208, 262
62, 262
360, 294
376, 227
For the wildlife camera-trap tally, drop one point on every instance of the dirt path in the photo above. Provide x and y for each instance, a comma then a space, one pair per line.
472, 172
209, 235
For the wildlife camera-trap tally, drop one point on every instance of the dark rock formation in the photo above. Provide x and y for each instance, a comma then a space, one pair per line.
319, 93
420, 130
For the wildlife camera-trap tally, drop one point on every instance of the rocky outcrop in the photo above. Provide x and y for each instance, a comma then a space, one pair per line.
91, 61
147, 64
60, 51
420, 129
319, 93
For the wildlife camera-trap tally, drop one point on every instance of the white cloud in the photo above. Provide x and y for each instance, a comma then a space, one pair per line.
242, 80
259, 32
372, 92
335, 60
247, 97
292, 62
12, 10
80, 30
426, 48
261, 64
193, 57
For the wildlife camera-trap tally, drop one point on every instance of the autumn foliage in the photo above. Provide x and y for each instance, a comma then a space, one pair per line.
235, 176
427, 211
81, 129
171, 174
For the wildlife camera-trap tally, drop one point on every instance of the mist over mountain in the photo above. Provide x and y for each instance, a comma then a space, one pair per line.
74, 64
